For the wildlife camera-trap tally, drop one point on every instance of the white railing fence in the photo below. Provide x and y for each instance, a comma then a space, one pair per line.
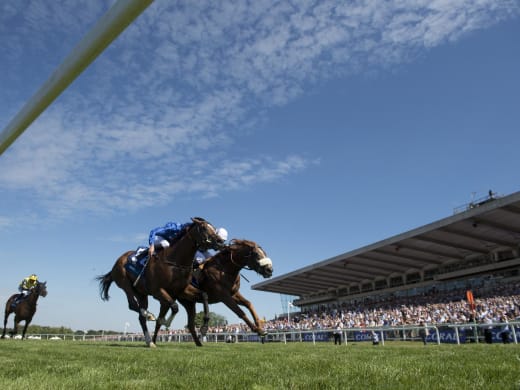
436, 334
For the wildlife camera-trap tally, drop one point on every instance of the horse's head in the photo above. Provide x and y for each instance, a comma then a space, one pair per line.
252, 256
41, 289
205, 235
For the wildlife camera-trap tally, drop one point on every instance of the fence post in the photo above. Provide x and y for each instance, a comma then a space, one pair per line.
437, 335
457, 335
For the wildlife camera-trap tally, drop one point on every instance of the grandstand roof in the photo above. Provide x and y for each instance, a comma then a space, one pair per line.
488, 225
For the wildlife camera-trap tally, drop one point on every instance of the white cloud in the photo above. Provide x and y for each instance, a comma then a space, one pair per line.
4, 222
164, 103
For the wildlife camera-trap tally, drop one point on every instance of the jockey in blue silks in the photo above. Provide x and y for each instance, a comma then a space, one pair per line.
161, 237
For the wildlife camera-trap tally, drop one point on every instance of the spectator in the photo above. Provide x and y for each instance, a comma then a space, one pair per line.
504, 334
423, 332
337, 333
375, 338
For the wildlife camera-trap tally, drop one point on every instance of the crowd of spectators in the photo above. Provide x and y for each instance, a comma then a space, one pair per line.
493, 304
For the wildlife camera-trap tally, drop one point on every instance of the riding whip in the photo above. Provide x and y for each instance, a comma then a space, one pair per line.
141, 273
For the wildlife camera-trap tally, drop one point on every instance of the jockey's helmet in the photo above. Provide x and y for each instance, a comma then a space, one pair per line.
33, 277
222, 233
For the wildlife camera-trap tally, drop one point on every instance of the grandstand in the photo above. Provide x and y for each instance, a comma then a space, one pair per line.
478, 245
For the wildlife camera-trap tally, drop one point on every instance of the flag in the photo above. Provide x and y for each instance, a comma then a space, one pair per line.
471, 300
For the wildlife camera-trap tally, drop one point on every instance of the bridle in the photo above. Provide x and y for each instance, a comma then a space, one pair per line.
40, 289
252, 252
255, 259
203, 238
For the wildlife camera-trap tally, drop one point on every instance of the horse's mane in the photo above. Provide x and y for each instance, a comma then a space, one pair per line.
185, 229
236, 242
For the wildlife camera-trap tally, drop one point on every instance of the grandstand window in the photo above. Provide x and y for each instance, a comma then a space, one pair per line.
366, 287
381, 284
505, 255
396, 281
430, 273
413, 277
343, 291
354, 289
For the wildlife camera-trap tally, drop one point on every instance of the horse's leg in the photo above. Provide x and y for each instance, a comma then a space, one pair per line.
241, 300
205, 324
190, 310
15, 326
162, 312
191, 293
135, 301
168, 321
25, 328
147, 338
7, 312
233, 306
143, 304
165, 298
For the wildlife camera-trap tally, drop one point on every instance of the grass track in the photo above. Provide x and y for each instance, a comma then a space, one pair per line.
39, 364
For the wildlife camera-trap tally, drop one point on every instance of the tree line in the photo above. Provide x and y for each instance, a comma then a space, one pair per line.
215, 320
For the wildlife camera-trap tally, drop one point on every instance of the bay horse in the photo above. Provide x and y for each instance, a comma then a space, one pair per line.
166, 274
25, 309
220, 281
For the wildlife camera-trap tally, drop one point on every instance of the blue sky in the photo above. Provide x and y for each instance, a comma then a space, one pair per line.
310, 127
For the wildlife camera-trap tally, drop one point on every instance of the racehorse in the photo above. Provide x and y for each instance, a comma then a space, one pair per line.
24, 310
220, 281
166, 274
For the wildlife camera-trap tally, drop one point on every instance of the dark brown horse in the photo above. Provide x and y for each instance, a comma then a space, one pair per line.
220, 280
166, 275
24, 310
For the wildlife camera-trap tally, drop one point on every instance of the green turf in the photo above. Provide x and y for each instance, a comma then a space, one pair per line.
39, 364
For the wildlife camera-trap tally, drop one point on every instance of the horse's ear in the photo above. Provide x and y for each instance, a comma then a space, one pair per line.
198, 219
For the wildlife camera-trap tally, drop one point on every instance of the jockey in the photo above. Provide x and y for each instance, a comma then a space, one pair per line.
27, 285
159, 237
164, 235
201, 256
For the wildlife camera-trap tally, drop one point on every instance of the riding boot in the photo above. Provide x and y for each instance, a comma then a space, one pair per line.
17, 300
139, 254
196, 273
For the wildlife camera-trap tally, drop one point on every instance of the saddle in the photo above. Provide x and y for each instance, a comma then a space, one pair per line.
196, 275
19, 298
136, 261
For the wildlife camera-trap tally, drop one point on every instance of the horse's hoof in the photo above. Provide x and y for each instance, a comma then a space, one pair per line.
150, 317
152, 345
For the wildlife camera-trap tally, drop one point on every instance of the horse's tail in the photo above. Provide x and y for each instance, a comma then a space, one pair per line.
104, 284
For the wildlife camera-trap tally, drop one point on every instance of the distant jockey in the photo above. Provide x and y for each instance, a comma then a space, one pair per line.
25, 287
27, 284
